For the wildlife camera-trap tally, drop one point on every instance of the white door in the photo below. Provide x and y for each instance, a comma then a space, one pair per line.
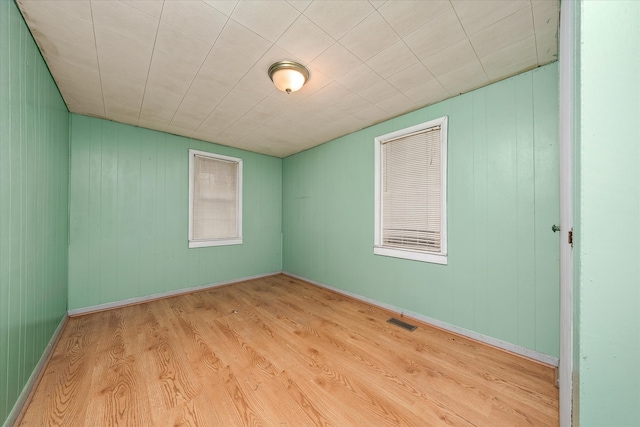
566, 67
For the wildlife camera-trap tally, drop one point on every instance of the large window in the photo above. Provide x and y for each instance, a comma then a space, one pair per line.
215, 200
411, 198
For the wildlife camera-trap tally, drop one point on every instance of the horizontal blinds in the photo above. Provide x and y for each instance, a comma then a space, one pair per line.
411, 187
215, 198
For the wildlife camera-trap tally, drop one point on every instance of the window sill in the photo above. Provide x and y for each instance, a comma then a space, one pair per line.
208, 243
411, 255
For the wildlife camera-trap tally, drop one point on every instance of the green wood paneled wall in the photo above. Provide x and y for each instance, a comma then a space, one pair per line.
608, 209
34, 179
129, 215
502, 279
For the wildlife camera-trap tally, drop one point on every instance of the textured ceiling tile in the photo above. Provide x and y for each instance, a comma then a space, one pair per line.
451, 58
377, 3
271, 142
181, 46
121, 93
240, 128
79, 9
237, 103
393, 59
370, 37
114, 45
78, 97
287, 119
338, 18
328, 96
122, 104
267, 18
410, 77
476, 15
266, 109
350, 103
51, 26
202, 97
511, 59
126, 20
464, 79
378, 91
74, 85
204, 94
222, 93
547, 46
235, 52
224, 6
301, 5
336, 61
72, 59
223, 116
167, 85
122, 56
150, 7
545, 14
305, 40
509, 30
257, 82
195, 18
359, 78
439, 33
407, 16
396, 105
371, 114
427, 93
75, 78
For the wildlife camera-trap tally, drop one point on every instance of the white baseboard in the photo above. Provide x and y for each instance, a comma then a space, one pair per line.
32, 382
147, 298
513, 348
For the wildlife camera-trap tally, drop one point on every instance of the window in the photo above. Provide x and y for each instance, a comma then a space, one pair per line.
410, 199
215, 200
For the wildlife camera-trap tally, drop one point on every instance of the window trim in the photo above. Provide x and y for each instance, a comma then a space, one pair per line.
424, 256
214, 242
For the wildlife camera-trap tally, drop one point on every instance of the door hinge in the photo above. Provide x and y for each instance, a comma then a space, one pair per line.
570, 237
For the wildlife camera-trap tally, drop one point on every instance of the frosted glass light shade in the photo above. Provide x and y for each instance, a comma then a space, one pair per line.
288, 76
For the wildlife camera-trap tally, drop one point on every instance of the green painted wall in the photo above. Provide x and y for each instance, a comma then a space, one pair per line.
34, 178
609, 214
502, 279
129, 215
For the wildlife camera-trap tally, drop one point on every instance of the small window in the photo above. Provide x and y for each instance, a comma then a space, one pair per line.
215, 200
410, 199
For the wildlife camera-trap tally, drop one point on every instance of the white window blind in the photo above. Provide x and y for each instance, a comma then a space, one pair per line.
410, 199
215, 208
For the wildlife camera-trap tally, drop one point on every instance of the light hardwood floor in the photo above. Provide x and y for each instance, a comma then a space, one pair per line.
278, 351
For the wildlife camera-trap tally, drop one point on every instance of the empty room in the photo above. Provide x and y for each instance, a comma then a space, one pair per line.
320, 212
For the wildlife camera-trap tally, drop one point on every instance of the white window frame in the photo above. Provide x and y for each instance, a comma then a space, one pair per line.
440, 257
214, 242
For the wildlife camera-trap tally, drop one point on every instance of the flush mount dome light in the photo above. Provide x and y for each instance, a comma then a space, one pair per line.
288, 76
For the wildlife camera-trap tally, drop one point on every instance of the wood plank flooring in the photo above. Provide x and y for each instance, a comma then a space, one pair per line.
278, 351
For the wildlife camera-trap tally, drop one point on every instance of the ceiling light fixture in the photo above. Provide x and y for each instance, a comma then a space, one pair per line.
288, 76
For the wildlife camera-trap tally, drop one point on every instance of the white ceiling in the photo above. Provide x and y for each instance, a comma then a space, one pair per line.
199, 68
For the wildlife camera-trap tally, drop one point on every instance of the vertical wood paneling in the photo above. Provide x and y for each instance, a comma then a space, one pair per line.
525, 206
129, 207
547, 211
34, 177
502, 218
502, 277
461, 160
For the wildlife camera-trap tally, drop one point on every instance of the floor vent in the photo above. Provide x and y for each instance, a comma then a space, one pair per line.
402, 324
